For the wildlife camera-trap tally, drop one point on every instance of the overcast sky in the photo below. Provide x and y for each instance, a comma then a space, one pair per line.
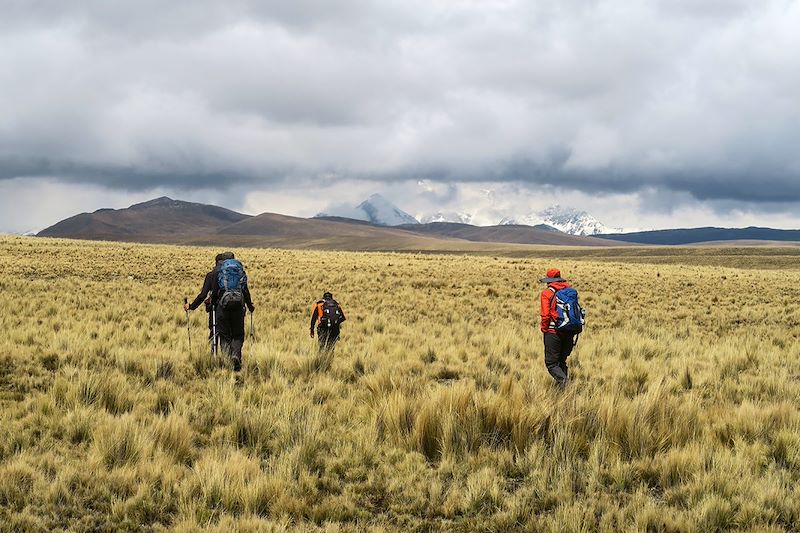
657, 113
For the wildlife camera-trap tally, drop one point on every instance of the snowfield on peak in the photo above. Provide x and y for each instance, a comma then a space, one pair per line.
376, 210
525, 220
381, 211
574, 222
567, 220
450, 216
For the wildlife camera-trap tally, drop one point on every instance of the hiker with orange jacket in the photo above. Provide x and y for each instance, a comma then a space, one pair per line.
561, 320
330, 316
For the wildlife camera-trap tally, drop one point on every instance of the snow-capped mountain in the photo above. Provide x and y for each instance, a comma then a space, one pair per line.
529, 220
451, 216
376, 210
564, 219
574, 222
381, 211
524, 220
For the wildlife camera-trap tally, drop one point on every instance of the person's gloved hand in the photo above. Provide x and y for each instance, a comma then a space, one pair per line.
312, 333
251, 307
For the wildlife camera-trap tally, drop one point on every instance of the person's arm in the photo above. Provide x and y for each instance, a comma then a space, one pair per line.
341, 312
546, 301
247, 300
207, 287
314, 316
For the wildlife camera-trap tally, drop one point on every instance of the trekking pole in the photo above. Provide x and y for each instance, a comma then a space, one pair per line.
213, 330
188, 330
252, 331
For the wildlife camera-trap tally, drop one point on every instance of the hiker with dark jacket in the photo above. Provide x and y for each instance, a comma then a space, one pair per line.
205, 295
329, 314
229, 319
558, 343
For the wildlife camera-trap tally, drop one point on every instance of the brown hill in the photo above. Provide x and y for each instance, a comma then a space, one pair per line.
506, 234
281, 231
159, 220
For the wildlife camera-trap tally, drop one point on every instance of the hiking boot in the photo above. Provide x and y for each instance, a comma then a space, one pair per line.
237, 364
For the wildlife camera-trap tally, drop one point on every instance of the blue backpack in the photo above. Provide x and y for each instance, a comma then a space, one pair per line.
570, 316
231, 281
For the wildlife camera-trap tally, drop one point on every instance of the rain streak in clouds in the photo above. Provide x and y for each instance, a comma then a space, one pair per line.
667, 105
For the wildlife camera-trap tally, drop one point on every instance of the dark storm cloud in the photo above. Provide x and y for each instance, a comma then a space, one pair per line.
124, 178
695, 97
753, 185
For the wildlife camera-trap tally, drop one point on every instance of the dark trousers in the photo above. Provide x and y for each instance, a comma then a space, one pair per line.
557, 347
327, 338
230, 331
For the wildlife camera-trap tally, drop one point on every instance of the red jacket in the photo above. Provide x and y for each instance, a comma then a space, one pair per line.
547, 318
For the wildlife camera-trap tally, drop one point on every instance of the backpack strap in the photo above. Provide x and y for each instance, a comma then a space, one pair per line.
552, 298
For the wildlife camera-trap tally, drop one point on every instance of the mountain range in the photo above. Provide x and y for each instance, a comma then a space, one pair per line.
164, 220
708, 235
378, 210
566, 219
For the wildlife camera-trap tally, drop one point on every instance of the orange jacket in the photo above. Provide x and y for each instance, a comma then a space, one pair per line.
547, 319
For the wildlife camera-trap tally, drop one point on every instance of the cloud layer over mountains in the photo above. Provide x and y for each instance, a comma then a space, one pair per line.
692, 97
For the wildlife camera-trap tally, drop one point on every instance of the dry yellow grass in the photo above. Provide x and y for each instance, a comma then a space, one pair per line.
435, 413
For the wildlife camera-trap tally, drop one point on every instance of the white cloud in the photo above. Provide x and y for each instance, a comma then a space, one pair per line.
613, 97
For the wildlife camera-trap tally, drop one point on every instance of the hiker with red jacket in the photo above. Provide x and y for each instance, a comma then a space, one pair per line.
329, 314
561, 320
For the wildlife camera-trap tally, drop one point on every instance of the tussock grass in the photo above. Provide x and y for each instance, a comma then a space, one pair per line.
16, 483
434, 413
175, 437
121, 441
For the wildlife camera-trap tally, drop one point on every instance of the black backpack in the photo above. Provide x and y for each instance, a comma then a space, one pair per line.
330, 315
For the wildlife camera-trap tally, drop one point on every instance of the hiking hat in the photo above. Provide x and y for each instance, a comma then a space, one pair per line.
552, 276
223, 256
327, 296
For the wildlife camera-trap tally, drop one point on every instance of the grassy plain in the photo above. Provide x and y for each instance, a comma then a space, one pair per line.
436, 412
